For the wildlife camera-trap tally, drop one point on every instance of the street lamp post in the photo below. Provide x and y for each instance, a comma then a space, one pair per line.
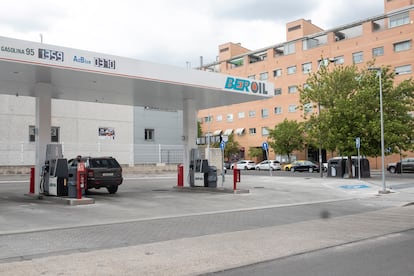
322, 62
379, 74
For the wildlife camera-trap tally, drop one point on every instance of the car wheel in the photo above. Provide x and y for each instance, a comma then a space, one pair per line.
246, 168
112, 189
393, 169
287, 169
311, 170
257, 168
292, 169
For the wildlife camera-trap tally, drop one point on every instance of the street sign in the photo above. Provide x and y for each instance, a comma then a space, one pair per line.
265, 146
222, 145
358, 142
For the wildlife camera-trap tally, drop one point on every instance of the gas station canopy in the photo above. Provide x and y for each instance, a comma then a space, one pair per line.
95, 77
49, 72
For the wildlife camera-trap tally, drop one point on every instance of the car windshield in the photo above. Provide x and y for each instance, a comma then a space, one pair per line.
103, 163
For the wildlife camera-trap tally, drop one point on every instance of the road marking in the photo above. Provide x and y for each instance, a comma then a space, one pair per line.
353, 187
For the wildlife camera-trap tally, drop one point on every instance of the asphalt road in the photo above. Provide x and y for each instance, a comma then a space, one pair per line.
381, 256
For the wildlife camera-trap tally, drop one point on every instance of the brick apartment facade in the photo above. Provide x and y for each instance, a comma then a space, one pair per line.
387, 38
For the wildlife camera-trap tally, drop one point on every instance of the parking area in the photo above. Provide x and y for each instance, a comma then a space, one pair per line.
151, 197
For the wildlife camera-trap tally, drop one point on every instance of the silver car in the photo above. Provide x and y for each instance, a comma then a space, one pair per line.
274, 165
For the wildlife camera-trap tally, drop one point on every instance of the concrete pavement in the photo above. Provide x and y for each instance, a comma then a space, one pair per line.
216, 251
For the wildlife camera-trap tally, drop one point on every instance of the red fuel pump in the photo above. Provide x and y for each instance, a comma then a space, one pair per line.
80, 179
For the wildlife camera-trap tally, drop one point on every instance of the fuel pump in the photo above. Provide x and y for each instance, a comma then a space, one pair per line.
54, 173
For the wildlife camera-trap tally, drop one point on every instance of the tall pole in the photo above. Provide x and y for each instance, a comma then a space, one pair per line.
384, 188
379, 74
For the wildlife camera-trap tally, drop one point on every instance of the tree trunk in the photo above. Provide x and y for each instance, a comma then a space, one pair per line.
350, 167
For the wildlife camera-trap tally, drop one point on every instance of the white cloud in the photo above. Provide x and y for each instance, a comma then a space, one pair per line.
171, 32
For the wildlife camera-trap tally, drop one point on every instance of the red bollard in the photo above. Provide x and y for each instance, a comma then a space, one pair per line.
80, 179
32, 180
236, 178
180, 175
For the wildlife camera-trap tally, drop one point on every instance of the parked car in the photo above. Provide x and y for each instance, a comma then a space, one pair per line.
274, 165
304, 166
101, 172
288, 166
406, 164
244, 165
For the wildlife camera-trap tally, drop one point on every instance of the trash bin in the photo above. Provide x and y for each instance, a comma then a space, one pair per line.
336, 167
72, 193
365, 169
210, 177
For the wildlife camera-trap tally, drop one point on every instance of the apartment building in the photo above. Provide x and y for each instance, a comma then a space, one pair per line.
386, 38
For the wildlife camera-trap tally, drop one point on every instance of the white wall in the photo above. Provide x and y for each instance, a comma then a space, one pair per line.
78, 122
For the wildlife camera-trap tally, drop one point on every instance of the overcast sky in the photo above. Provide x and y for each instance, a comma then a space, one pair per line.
171, 31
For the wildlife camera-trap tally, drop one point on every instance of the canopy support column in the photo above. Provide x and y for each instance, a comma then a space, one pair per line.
43, 94
189, 134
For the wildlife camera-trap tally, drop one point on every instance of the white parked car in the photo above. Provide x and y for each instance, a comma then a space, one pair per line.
244, 165
274, 165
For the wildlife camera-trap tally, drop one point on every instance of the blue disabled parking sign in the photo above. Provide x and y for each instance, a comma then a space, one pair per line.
354, 187
222, 145
265, 146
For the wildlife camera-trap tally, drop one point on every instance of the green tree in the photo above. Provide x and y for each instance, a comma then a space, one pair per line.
232, 147
199, 130
286, 137
348, 102
255, 152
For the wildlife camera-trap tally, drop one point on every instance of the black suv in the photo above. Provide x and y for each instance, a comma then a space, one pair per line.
100, 172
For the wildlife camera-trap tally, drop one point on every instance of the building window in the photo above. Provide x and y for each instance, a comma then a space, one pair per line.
379, 51
149, 134
278, 110
219, 118
402, 46
292, 108
313, 42
229, 117
399, 19
289, 48
252, 131
252, 77
401, 70
32, 134
264, 76
291, 70
307, 67
252, 113
292, 89
265, 113
54, 134
307, 108
358, 57
278, 91
277, 73
241, 115
265, 131
339, 60
208, 119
